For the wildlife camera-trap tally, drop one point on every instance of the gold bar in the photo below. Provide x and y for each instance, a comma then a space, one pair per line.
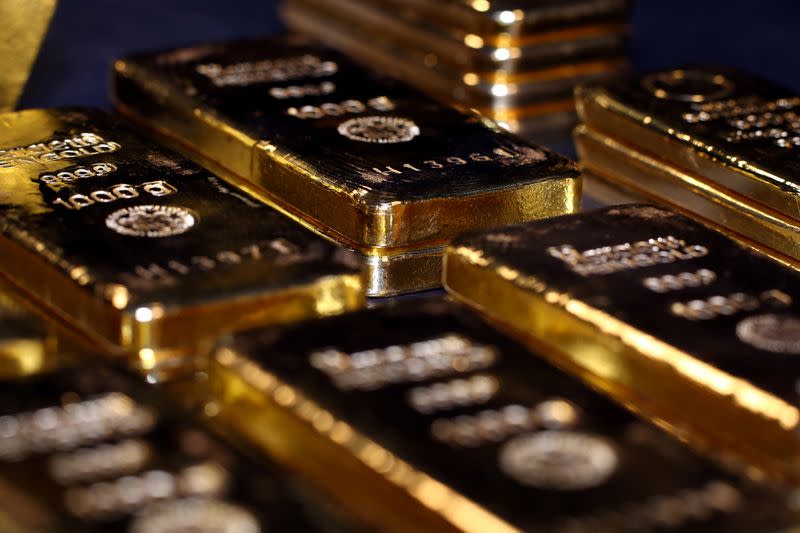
27, 347
368, 21
143, 251
506, 22
363, 161
25, 24
762, 228
487, 92
733, 131
422, 418
674, 320
95, 449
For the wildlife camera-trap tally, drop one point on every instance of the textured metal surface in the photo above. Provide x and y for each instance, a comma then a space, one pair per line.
657, 310
145, 250
25, 23
394, 401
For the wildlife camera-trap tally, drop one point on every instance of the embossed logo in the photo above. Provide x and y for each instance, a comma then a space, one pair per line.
559, 460
771, 333
153, 221
688, 86
379, 129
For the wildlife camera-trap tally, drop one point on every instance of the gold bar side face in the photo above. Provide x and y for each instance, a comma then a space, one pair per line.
400, 409
25, 24
145, 251
736, 131
657, 310
366, 161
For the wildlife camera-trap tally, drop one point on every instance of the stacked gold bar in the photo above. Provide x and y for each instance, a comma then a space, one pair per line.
713, 143
514, 61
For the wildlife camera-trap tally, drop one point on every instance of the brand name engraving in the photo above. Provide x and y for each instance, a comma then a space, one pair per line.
81, 145
626, 256
268, 70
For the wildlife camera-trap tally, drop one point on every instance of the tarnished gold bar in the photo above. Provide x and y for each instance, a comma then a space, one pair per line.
25, 24
673, 319
731, 130
95, 449
421, 418
362, 160
762, 228
507, 22
143, 251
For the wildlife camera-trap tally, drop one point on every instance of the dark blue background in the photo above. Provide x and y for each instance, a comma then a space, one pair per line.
86, 36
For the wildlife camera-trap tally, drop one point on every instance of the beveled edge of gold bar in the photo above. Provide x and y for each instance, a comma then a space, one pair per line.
766, 231
598, 108
391, 494
641, 372
350, 220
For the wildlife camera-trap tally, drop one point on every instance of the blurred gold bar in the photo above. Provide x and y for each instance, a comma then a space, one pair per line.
657, 310
419, 417
27, 346
731, 131
144, 252
25, 24
361, 160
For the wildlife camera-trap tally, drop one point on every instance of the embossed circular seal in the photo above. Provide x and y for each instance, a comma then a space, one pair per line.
379, 129
195, 515
771, 333
688, 85
151, 221
558, 460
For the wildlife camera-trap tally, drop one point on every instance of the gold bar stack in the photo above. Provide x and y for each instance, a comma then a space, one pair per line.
514, 61
714, 143
421, 418
673, 319
361, 160
144, 252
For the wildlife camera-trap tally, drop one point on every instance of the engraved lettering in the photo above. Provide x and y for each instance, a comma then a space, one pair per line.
84, 144
267, 71
302, 91
715, 306
627, 256
676, 282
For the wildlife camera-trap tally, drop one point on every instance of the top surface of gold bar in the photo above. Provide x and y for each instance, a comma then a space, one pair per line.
144, 249
25, 24
363, 159
738, 131
444, 423
677, 320
503, 21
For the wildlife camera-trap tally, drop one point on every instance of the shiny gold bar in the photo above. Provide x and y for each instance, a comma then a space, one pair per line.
26, 345
493, 93
507, 22
25, 24
760, 227
144, 252
731, 130
364, 161
675, 320
368, 21
421, 418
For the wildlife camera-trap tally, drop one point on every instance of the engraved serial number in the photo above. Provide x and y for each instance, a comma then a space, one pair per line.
626, 256
121, 191
347, 107
444, 163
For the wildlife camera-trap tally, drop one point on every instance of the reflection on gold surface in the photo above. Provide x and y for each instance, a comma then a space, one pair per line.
25, 23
